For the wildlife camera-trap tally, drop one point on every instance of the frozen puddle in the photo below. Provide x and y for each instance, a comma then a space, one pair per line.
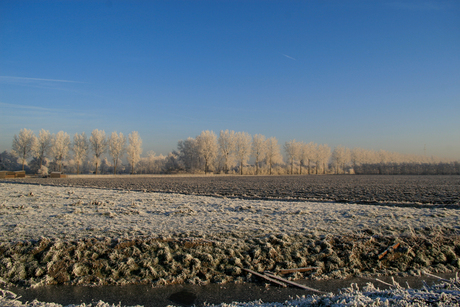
33, 211
259, 295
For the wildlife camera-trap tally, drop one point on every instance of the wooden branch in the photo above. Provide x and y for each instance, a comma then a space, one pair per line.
440, 278
267, 278
301, 270
293, 283
395, 246
385, 283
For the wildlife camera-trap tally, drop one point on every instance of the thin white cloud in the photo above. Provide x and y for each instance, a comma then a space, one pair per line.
24, 79
289, 57
41, 109
34, 108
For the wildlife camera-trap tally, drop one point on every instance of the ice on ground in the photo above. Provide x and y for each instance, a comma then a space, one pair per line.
442, 294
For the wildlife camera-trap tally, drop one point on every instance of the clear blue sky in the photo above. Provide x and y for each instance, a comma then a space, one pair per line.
371, 74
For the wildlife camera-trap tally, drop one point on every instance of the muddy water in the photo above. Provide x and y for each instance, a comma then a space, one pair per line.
187, 295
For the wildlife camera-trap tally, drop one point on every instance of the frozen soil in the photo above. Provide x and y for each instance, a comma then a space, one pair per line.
366, 189
87, 236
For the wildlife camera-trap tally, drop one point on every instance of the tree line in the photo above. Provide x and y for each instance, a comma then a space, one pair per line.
54, 150
228, 153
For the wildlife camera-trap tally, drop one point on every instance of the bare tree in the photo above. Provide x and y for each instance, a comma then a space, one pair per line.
80, 148
324, 153
188, 153
134, 150
117, 148
43, 145
24, 145
242, 148
302, 155
226, 147
60, 147
259, 149
340, 156
207, 147
292, 152
273, 155
98, 144
308, 153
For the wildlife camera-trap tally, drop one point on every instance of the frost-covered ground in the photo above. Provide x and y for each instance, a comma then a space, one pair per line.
75, 235
384, 189
33, 211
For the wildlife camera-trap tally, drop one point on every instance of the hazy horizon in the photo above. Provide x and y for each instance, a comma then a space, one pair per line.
376, 75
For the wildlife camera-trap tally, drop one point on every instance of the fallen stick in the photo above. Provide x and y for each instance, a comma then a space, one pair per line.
301, 270
440, 278
266, 277
293, 283
395, 246
385, 283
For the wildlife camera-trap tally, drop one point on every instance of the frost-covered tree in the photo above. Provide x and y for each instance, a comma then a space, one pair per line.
60, 147
98, 144
134, 150
207, 147
172, 163
44, 142
323, 155
117, 148
292, 149
80, 149
307, 153
152, 164
243, 142
273, 154
24, 145
226, 148
105, 165
340, 157
188, 153
9, 161
259, 149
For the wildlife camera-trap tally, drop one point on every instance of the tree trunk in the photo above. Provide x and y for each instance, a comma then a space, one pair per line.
78, 168
241, 168
23, 159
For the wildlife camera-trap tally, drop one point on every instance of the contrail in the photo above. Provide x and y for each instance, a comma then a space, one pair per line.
289, 57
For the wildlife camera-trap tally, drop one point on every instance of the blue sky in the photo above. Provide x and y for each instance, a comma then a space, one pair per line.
370, 74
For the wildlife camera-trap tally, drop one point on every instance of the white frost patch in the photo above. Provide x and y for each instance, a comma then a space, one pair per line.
33, 211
